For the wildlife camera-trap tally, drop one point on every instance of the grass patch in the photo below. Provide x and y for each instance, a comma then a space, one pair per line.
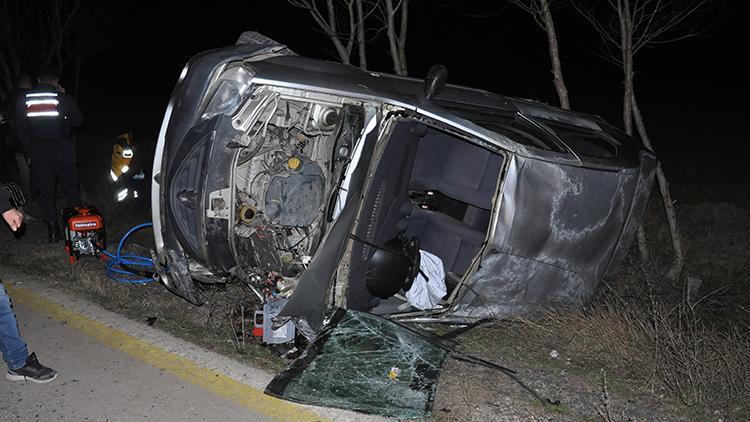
661, 346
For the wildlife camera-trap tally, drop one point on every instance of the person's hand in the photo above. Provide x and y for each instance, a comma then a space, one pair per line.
60, 88
14, 218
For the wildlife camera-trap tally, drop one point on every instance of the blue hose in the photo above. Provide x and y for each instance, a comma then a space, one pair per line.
120, 266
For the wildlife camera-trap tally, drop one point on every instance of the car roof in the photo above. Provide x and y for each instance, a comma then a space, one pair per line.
326, 75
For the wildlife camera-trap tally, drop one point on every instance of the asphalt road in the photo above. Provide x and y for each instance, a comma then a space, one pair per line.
97, 383
114, 369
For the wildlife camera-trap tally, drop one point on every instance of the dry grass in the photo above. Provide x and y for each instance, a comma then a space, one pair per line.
663, 344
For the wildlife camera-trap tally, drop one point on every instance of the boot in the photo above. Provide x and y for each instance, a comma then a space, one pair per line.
53, 233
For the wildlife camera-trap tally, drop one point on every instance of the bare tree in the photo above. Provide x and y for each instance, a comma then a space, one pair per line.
13, 18
86, 39
541, 11
59, 32
397, 23
338, 20
356, 22
625, 27
361, 40
59, 19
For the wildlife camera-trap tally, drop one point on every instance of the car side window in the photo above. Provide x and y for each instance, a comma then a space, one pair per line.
508, 124
523, 133
583, 141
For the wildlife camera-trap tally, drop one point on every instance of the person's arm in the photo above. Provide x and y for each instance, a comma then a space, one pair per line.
12, 216
72, 113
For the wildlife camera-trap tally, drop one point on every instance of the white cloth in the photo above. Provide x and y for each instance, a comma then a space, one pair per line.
426, 294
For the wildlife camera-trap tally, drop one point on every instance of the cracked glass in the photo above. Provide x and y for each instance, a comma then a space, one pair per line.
366, 363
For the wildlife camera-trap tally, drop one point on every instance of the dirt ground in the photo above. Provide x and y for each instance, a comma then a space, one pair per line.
575, 386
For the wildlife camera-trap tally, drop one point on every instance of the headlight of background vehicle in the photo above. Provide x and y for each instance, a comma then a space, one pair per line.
232, 87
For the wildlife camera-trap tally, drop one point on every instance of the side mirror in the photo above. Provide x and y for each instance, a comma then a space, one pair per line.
435, 80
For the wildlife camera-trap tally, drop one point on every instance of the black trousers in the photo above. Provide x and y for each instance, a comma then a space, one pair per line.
52, 161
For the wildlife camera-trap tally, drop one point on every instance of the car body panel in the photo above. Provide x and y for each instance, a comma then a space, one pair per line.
553, 246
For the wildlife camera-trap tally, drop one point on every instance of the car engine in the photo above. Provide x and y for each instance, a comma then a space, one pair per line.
284, 177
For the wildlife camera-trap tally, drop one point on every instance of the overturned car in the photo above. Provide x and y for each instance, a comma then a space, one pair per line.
335, 183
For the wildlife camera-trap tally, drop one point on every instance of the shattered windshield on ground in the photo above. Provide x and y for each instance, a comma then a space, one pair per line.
365, 363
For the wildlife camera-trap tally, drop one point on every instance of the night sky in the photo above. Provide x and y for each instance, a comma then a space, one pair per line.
694, 93
504, 52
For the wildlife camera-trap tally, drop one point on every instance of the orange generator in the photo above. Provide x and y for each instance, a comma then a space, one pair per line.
84, 232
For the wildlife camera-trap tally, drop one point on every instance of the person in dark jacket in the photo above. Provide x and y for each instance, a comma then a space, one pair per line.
22, 366
46, 117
